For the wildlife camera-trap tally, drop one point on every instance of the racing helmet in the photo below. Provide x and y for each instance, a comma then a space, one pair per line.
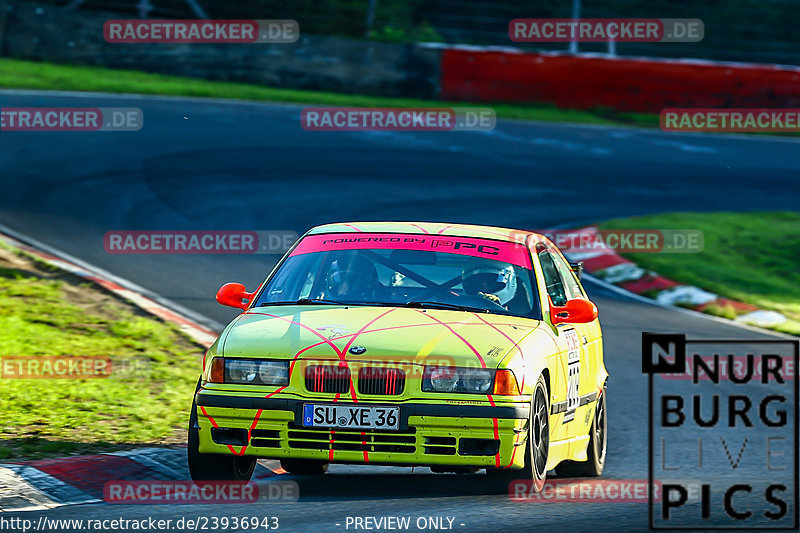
491, 279
352, 277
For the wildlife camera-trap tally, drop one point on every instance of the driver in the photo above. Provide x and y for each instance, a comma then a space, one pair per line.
493, 280
353, 278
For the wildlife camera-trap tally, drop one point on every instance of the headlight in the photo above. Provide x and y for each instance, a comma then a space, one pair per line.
442, 379
256, 372
454, 379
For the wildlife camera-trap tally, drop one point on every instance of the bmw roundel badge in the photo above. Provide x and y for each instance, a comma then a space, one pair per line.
357, 350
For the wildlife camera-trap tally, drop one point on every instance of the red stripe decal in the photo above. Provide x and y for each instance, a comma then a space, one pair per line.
421, 228
465, 341
214, 424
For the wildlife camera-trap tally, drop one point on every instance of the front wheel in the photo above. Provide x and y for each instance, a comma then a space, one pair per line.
596, 451
212, 467
537, 445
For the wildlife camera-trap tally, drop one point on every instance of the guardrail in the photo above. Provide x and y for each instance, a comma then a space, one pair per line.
622, 84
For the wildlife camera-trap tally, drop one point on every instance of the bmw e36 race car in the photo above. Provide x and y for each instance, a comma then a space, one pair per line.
454, 347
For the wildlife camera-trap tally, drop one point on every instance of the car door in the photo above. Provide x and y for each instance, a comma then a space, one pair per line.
589, 333
567, 386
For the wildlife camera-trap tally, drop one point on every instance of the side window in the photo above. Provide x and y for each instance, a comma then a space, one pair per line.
284, 286
571, 285
552, 279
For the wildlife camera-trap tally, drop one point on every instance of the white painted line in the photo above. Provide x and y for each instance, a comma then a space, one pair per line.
622, 272
152, 458
56, 490
686, 147
14, 488
762, 317
685, 294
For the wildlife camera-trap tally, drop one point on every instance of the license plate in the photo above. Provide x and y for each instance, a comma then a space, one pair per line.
349, 416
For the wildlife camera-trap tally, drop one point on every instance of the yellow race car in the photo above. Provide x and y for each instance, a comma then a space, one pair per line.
454, 347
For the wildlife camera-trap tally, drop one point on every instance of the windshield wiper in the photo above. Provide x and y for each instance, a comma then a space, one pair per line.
440, 305
323, 301
411, 304
306, 301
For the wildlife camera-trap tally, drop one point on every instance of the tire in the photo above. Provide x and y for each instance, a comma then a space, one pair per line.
304, 467
537, 444
213, 467
597, 448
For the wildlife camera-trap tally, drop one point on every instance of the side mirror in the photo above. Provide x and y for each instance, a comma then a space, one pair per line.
578, 311
577, 268
233, 294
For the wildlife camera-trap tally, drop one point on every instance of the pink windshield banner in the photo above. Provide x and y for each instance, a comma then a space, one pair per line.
509, 252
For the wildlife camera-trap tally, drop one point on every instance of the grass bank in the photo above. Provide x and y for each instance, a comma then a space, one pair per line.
749, 257
145, 399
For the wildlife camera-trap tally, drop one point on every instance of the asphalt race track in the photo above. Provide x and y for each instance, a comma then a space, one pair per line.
199, 165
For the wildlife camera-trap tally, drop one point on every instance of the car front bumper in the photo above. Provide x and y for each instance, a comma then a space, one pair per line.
434, 434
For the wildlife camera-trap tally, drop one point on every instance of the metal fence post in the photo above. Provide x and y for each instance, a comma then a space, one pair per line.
75, 4
144, 8
199, 11
4, 9
576, 14
370, 15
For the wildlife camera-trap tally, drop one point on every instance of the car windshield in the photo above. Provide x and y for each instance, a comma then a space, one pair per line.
479, 275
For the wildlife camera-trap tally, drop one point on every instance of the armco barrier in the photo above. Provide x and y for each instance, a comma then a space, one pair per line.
623, 84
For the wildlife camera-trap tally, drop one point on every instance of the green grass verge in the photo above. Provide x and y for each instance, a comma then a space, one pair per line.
749, 257
146, 399
17, 74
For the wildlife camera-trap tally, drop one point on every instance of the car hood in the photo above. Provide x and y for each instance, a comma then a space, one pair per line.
375, 334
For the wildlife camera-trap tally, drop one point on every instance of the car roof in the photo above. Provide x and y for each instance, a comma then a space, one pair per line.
426, 228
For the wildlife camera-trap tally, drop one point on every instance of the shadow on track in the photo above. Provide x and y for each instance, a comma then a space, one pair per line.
371, 486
